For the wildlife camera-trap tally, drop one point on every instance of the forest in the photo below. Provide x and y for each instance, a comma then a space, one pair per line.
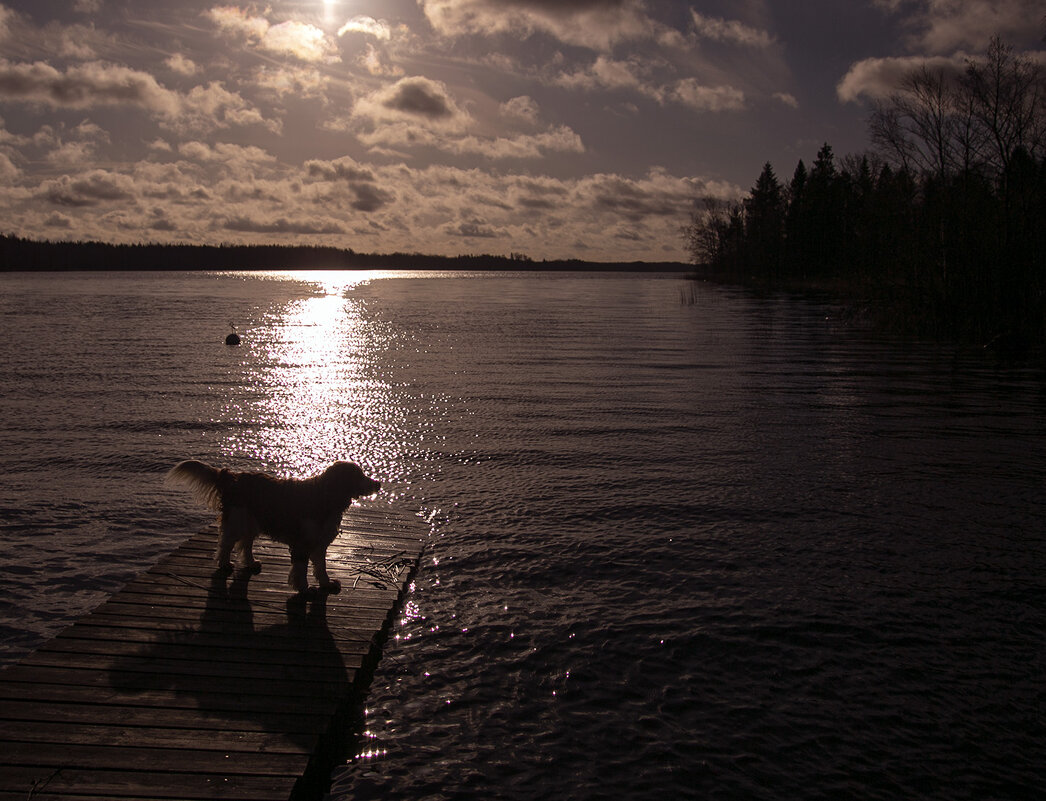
18, 253
938, 231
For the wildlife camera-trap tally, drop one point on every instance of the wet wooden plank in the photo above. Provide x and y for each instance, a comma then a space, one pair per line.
189, 685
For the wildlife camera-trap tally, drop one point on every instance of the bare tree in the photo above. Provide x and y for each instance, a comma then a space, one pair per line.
918, 126
939, 123
1006, 93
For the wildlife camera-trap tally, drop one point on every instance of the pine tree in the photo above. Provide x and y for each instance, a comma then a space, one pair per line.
764, 222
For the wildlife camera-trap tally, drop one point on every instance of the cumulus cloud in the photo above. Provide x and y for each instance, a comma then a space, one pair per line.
85, 86
408, 111
595, 24
731, 31
474, 228
181, 64
206, 108
291, 37
879, 77
418, 97
225, 153
692, 93
301, 81
787, 99
523, 108
609, 74
366, 195
280, 225
606, 73
88, 189
97, 84
8, 170
657, 195
379, 29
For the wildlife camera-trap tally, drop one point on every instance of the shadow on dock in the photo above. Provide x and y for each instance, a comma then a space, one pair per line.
270, 675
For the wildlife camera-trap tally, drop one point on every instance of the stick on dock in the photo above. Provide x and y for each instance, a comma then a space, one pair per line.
187, 685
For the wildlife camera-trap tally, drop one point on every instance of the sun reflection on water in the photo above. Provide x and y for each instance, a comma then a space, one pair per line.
315, 369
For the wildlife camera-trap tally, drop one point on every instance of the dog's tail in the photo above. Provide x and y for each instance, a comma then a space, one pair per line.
203, 480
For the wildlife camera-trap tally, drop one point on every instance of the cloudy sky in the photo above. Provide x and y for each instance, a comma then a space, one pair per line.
556, 128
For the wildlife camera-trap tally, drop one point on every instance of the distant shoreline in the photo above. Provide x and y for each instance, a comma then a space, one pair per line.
18, 254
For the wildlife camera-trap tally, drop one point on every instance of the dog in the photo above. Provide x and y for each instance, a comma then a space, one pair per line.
303, 514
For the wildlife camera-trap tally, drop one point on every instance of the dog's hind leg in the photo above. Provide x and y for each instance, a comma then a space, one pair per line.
299, 575
231, 525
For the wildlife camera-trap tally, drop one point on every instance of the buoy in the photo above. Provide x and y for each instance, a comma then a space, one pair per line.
233, 338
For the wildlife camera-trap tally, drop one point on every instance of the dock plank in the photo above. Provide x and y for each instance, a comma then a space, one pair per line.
190, 685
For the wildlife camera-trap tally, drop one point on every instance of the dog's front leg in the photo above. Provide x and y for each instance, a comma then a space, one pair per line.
319, 570
247, 559
299, 575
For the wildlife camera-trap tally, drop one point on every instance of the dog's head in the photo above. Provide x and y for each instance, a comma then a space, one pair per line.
348, 481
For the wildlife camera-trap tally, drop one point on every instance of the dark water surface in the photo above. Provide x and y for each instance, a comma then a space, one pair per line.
732, 549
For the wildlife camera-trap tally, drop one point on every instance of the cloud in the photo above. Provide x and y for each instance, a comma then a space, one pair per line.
97, 84
730, 31
523, 108
942, 26
181, 64
606, 73
280, 225
418, 97
474, 228
360, 182
787, 99
518, 146
85, 86
88, 189
657, 195
881, 77
595, 24
9, 172
291, 37
407, 109
206, 108
690, 92
227, 154
58, 220
301, 81
379, 29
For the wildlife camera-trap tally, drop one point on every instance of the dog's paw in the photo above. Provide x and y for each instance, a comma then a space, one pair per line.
254, 567
224, 569
333, 587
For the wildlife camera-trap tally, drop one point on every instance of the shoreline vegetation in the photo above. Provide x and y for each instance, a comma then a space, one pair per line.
939, 232
19, 254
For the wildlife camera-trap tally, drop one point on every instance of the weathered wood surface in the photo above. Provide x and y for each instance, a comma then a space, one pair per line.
189, 685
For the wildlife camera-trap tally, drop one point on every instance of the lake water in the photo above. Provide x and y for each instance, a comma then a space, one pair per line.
727, 549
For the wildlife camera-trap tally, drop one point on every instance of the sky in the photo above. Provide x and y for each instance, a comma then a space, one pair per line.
552, 128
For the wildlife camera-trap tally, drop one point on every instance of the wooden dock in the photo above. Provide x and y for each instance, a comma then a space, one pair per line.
187, 685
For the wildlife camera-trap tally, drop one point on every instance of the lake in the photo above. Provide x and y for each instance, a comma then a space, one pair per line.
733, 548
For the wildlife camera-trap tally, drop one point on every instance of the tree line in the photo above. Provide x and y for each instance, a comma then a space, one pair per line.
18, 253
941, 227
